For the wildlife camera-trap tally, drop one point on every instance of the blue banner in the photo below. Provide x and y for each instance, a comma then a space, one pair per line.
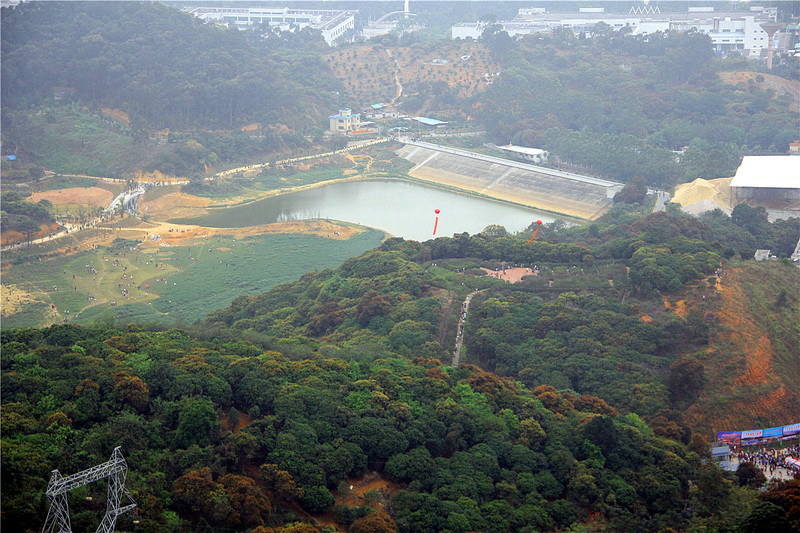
791, 430
734, 437
773, 432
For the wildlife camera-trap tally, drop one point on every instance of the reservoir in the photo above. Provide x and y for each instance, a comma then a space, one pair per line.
400, 208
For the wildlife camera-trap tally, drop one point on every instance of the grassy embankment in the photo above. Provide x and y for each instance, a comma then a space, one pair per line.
185, 282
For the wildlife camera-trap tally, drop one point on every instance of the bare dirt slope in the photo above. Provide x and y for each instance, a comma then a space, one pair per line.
752, 366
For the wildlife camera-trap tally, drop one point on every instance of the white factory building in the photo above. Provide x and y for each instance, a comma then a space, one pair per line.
729, 31
772, 181
333, 24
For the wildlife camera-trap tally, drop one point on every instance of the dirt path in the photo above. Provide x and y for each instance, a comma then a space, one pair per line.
397, 82
461, 323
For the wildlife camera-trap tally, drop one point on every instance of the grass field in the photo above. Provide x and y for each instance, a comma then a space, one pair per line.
67, 139
174, 285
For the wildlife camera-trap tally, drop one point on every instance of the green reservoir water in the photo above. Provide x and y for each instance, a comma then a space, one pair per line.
400, 208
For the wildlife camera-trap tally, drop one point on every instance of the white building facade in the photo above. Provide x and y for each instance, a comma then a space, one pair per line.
333, 24
729, 32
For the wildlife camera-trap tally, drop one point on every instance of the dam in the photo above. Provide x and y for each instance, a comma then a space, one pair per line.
529, 185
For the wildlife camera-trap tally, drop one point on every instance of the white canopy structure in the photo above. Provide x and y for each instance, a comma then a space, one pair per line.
768, 178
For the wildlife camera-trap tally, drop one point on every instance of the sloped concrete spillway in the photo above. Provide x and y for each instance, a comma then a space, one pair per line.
570, 194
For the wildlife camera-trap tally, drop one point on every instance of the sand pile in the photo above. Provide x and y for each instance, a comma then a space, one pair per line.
712, 193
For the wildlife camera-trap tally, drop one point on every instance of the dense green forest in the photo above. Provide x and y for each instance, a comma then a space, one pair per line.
165, 71
266, 414
159, 65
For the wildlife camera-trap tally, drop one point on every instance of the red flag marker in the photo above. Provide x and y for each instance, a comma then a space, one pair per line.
436, 224
539, 223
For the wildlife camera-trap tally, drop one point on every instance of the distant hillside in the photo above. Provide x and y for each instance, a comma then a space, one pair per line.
158, 65
432, 75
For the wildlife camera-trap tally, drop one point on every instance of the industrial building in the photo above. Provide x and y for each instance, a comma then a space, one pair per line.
771, 181
738, 31
332, 23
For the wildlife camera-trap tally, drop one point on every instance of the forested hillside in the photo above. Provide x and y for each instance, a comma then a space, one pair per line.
281, 407
618, 104
158, 65
226, 435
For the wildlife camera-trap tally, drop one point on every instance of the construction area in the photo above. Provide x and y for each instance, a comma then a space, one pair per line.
569, 194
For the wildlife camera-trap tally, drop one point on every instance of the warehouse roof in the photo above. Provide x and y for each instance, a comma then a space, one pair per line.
768, 171
429, 121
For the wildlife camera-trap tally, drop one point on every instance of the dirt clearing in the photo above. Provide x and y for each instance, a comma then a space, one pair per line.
509, 275
173, 205
769, 81
89, 196
13, 298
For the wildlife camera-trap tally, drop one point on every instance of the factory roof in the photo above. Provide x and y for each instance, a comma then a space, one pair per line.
768, 171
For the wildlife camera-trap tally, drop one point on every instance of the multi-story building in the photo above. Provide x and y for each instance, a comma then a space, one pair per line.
730, 31
346, 121
333, 24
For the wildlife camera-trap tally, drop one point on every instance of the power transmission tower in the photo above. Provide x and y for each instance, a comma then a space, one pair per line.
115, 469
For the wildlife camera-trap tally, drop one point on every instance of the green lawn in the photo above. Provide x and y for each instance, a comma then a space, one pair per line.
175, 285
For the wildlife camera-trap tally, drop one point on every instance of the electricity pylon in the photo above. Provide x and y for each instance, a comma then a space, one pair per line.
115, 469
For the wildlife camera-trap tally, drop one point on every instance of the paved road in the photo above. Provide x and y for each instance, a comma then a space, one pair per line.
661, 201
68, 228
256, 166
460, 330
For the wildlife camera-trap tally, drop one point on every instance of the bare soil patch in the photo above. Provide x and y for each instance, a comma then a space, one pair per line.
12, 298
89, 196
509, 275
369, 74
174, 205
740, 365
380, 491
117, 115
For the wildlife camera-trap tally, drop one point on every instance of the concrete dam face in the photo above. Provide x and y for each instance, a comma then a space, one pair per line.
559, 192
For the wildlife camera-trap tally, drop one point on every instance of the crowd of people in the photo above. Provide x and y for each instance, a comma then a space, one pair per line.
775, 463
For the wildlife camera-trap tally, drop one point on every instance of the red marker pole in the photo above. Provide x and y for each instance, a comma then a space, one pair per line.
436, 224
538, 223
